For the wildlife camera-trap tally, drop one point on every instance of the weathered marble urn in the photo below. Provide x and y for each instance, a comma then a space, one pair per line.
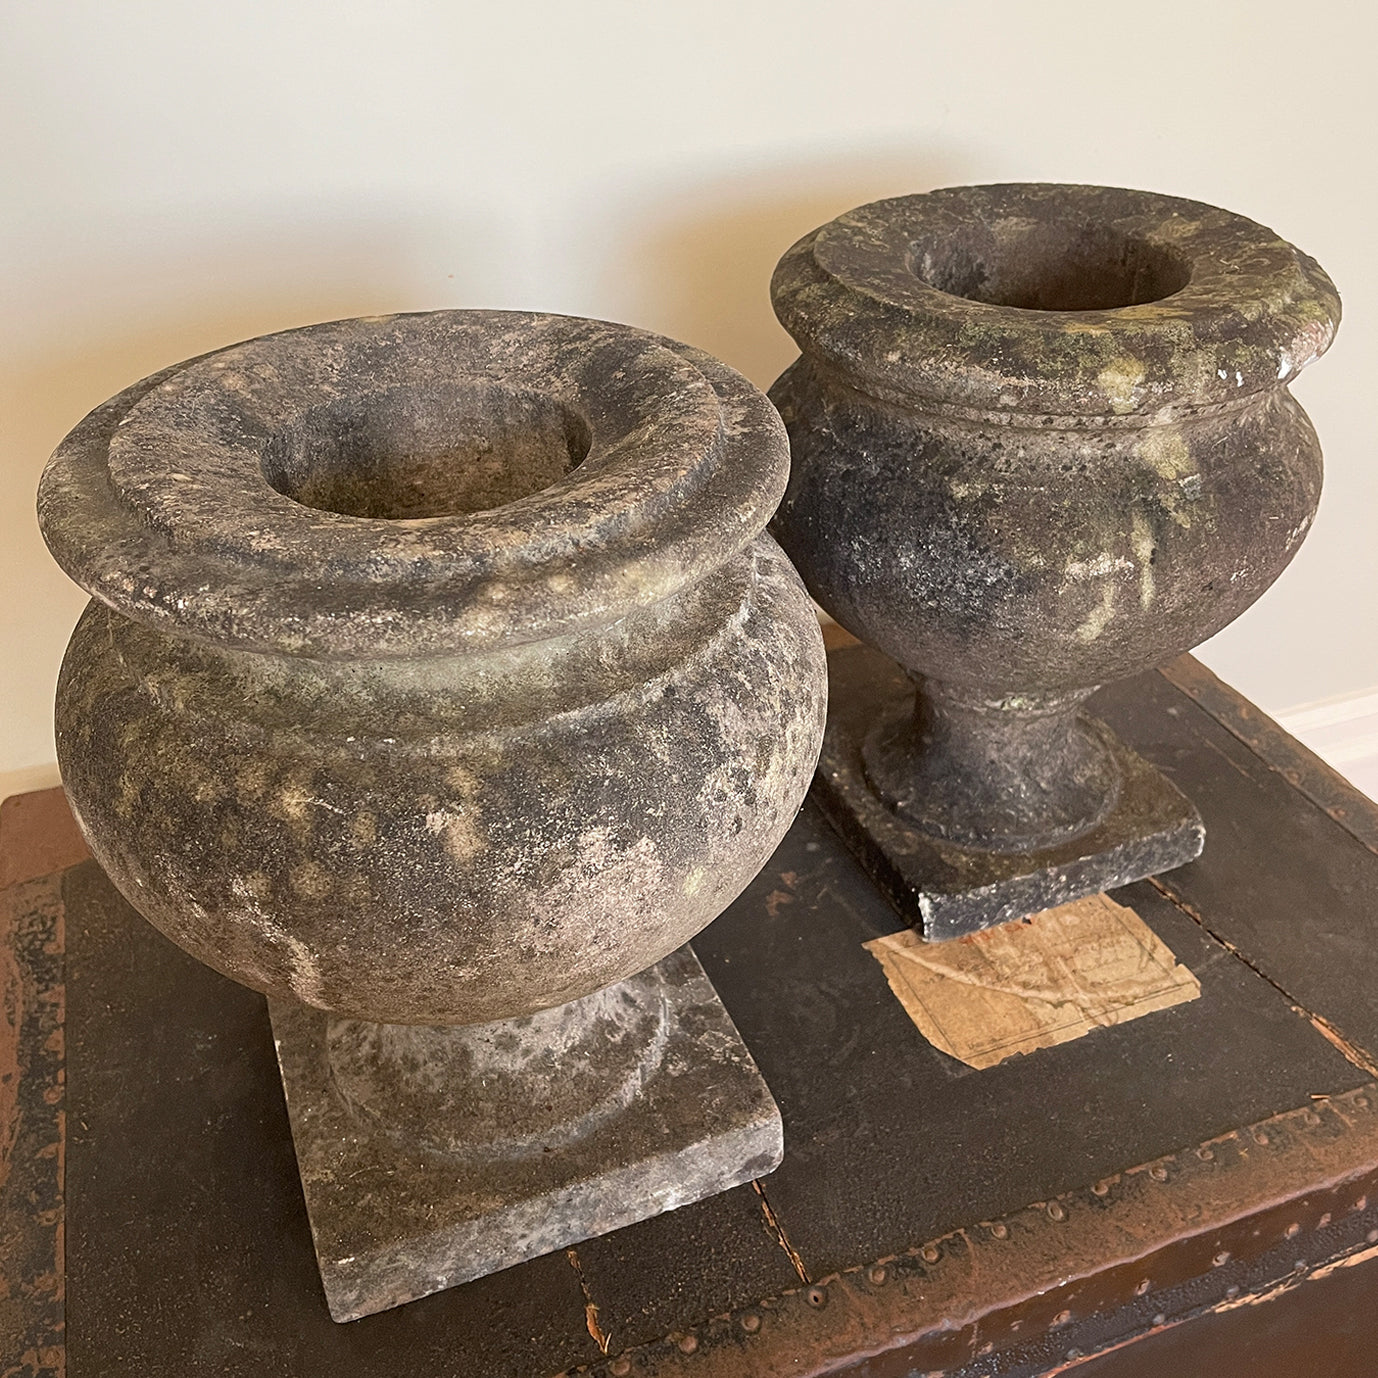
438, 673
1042, 439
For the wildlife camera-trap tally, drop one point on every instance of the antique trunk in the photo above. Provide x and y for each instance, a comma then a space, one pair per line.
1194, 1191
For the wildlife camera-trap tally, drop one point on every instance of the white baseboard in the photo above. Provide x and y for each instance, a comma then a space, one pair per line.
1343, 732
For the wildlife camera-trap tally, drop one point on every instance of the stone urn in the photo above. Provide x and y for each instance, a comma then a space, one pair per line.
440, 682
1041, 439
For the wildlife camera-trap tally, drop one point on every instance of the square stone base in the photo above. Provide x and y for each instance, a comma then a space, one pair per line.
392, 1222
945, 890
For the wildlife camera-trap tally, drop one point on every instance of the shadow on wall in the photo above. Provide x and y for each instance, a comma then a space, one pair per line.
696, 263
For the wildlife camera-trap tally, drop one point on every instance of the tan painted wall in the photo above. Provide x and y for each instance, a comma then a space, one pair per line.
180, 175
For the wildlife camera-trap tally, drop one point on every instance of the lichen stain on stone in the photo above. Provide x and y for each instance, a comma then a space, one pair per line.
579, 894
1098, 567
458, 827
964, 490
1144, 546
463, 781
1120, 381
230, 832
363, 829
293, 802
256, 884
305, 976
1165, 450
310, 880
1099, 617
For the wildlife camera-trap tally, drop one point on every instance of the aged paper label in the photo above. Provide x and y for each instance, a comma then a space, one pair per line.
1022, 986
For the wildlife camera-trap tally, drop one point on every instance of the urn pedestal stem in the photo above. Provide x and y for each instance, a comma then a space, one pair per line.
1007, 775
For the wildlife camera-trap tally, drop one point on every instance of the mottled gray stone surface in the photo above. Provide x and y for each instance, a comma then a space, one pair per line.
353, 736
1041, 439
440, 678
475, 1151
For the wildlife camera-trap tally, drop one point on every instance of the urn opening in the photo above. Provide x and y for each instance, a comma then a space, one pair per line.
1050, 265
426, 450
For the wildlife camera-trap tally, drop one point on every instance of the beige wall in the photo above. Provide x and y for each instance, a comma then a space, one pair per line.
179, 175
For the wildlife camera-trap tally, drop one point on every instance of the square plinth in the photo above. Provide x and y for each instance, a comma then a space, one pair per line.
392, 1222
946, 891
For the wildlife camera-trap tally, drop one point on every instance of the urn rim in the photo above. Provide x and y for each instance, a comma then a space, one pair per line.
1102, 304
172, 503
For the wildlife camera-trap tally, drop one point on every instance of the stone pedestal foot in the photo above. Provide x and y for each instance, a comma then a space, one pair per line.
947, 887
431, 1156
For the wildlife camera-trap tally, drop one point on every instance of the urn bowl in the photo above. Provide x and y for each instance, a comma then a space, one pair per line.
438, 670
1042, 435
